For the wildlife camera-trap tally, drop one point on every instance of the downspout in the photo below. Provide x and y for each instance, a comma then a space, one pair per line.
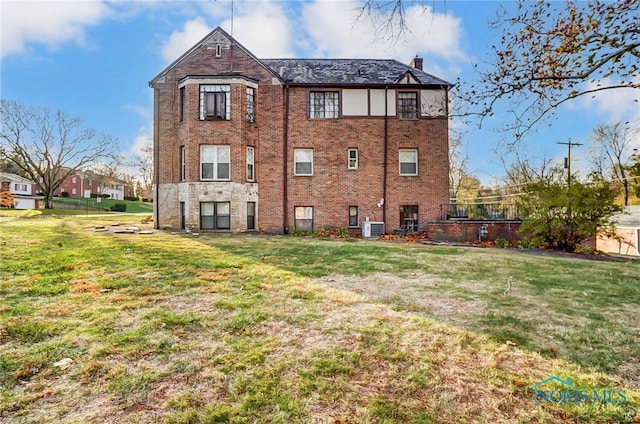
285, 167
384, 165
156, 157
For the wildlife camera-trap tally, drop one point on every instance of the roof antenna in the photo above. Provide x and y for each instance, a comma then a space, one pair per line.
231, 36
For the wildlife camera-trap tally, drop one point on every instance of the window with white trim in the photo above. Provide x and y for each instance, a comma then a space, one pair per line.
215, 215
324, 104
408, 161
215, 102
183, 163
215, 162
303, 218
303, 162
353, 158
250, 164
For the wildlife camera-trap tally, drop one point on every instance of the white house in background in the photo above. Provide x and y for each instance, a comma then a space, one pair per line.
627, 240
20, 189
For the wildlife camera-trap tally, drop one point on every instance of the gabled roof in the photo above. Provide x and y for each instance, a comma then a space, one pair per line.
218, 35
323, 71
348, 71
6, 176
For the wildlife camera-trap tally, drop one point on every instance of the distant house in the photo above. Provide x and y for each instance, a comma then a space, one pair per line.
90, 184
17, 192
627, 239
276, 145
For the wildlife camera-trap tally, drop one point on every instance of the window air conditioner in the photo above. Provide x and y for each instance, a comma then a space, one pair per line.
372, 229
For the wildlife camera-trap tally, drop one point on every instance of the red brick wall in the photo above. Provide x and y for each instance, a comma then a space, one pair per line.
467, 231
332, 188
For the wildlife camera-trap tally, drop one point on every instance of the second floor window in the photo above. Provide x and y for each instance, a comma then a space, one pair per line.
215, 102
408, 105
215, 162
251, 104
183, 103
324, 105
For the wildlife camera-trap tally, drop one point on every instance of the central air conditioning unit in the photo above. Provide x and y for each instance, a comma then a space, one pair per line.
372, 229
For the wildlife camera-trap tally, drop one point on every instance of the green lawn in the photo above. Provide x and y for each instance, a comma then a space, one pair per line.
92, 205
103, 327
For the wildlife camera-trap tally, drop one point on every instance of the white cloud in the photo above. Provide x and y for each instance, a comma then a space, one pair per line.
336, 31
620, 104
182, 40
51, 23
263, 27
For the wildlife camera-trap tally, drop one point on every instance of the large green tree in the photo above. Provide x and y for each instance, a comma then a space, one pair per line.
562, 217
50, 146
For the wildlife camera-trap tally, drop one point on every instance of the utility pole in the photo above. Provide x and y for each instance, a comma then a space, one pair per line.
567, 166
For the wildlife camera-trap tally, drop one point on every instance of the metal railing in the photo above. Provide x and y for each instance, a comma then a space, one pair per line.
478, 211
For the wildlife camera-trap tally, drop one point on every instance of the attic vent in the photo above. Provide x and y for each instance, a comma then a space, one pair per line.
218, 50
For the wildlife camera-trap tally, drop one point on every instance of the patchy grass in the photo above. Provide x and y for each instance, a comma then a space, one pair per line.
182, 329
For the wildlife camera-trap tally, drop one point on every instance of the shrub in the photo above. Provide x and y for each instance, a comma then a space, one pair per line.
64, 194
118, 207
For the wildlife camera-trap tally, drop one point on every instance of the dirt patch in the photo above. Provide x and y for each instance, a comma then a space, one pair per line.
414, 292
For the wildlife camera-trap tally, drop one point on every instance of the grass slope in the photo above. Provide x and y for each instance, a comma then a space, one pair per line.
103, 327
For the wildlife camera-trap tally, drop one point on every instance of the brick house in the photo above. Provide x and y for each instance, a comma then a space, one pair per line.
87, 183
273, 145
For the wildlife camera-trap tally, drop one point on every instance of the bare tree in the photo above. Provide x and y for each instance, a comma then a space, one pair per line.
143, 164
549, 53
49, 146
612, 148
554, 52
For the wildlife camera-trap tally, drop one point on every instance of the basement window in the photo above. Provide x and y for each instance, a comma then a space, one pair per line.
303, 218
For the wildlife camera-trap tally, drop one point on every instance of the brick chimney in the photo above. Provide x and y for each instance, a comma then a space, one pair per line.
416, 62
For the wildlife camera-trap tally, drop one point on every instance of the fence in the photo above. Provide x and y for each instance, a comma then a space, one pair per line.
478, 211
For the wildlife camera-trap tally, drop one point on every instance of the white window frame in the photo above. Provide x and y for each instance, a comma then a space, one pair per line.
215, 152
299, 154
352, 159
324, 104
251, 167
402, 159
219, 91
183, 163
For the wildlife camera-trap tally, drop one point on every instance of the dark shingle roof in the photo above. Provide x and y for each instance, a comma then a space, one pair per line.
347, 71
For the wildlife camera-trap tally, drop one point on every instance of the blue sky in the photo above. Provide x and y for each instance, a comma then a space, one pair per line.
93, 59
